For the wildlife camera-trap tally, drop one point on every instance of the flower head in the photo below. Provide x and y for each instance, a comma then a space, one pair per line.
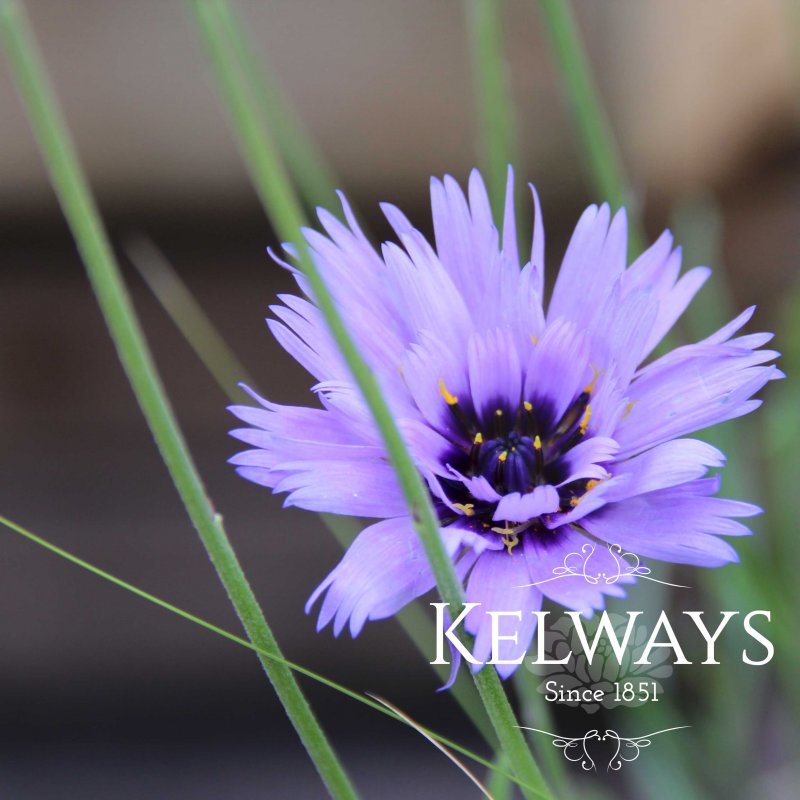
535, 429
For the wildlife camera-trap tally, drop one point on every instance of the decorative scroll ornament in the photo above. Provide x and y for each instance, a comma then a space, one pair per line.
581, 564
625, 749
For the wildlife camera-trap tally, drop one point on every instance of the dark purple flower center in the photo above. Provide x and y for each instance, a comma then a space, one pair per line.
515, 450
512, 463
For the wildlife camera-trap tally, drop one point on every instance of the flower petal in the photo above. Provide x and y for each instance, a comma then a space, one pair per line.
383, 570
522, 507
359, 488
678, 524
703, 388
668, 464
492, 583
495, 375
594, 260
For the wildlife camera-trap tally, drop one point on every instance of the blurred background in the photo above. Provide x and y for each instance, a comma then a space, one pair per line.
102, 695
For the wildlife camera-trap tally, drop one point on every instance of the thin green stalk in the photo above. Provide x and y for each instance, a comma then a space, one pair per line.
281, 205
188, 315
217, 356
512, 742
494, 104
498, 784
537, 713
78, 205
602, 154
283, 209
232, 637
419, 627
315, 180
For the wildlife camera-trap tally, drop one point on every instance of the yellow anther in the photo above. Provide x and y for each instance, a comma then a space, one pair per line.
478, 438
499, 412
589, 388
587, 415
589, 486
450, 399
468, 509
503, 456
509, 536
629, 408
534, 339
537, 442
528, 406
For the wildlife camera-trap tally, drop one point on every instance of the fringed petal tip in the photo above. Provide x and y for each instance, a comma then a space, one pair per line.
290, 251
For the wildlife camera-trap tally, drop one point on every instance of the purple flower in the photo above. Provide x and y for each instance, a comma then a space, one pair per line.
532, 428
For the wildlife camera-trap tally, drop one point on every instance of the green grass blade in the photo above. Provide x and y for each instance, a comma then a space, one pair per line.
498, 783
283, 209
269, 655
594, 130
214, 352
188, 316
494, 104
315, 180
537, 713
84, 220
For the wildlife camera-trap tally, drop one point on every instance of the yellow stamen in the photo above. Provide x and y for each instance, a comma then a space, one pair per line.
528, 406
503, 456
534, 339
537, 442
509, 536
589, 388
467, 508
499, 412
629, 408
589, 486
587, 415
478, 438
450, 399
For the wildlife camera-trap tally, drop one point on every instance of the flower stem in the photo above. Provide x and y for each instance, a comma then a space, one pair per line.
314, 178
218, 357
500, 788
79, 208
512, 741
494, 105
189, 316
283, 209
596, 135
